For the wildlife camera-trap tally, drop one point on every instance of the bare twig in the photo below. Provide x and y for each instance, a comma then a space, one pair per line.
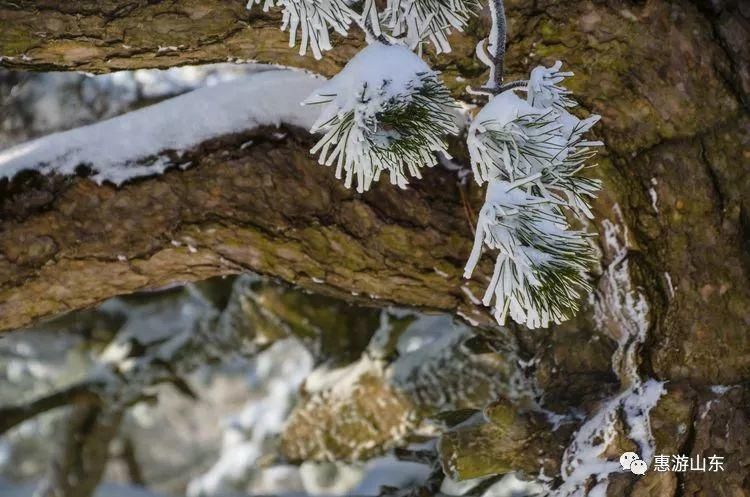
497, 43
492, 53
467, 208
521, 84
81, 393
128, 456
83, 452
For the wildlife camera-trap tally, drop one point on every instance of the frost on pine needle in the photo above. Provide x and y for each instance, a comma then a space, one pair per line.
532, 153
544, 91
428, 19
385, 111
314, 19
541, 264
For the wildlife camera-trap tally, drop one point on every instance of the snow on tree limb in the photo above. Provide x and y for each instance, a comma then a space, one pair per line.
387, 111
137, 144
254, 200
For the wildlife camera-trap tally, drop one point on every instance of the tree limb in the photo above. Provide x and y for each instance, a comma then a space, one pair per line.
68, 243
83, 452
105, 36
81, 393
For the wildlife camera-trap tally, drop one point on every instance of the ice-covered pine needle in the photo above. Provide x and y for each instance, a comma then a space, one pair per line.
432, 20
386, 111
532, 153
313, 19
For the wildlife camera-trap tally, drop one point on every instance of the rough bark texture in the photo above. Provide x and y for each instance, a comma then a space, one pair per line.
670, 79
268, 208
509, 440
103, 36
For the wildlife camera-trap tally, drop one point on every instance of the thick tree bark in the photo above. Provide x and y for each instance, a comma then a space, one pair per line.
68, 243
103, 36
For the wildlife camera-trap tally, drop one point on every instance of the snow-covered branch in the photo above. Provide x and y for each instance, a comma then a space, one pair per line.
148, 141
496, 44
240, 203
532, 153
385, 112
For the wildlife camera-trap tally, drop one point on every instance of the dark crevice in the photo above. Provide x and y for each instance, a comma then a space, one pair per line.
715, 182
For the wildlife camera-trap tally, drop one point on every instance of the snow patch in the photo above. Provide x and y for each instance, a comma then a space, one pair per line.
135, 144
670, 286
622, 311
653, 195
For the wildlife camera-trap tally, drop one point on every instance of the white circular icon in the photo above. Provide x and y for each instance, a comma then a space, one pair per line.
638, 467
627, 459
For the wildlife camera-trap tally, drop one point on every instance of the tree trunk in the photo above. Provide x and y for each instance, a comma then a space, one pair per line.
670, 79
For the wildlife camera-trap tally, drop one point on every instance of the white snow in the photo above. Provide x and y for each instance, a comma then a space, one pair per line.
440, 273
652, 193
275, 379
340, 380
472, 298
378, 79
670, 285
390, 471
720, 389
512, 486
509, 485
313, 18
58, 101
134, 144
621, 311
531, 152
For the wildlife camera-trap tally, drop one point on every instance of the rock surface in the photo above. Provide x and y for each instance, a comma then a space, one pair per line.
670, 80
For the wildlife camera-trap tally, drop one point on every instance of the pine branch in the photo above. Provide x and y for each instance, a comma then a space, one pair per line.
497, 44
531, 152
390, 123
493, 55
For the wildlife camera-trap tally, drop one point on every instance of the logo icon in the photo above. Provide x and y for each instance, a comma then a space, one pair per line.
638, 467
631, 461
626, 460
